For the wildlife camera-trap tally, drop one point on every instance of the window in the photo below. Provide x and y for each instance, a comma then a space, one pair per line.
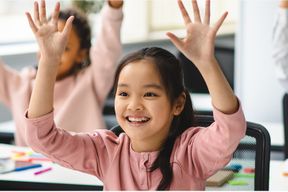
14, 24
143, 19
170, 18
16, 35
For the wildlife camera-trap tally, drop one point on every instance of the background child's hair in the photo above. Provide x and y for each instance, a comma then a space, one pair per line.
83, 31
171, 75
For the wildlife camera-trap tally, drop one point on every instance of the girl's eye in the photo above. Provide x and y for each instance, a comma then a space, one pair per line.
149, 94
67, 49
123, 94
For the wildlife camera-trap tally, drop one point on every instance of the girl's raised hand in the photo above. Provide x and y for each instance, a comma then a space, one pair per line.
198, 45
51, 41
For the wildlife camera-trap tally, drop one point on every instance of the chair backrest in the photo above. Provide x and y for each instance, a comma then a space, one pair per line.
254, 146
285, 119
256, 142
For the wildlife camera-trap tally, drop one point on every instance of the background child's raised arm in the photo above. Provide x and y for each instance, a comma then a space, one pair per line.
107, 49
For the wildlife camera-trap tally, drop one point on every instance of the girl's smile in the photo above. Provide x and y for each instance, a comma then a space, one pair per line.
137, 120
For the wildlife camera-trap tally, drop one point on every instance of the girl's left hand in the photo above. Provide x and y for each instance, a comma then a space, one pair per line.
198, 45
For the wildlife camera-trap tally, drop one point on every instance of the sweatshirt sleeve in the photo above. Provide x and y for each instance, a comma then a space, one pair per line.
106, 51
209, 149
280, 45
9, 82
86, 152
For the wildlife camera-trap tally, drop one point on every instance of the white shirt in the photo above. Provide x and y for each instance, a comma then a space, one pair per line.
280, 46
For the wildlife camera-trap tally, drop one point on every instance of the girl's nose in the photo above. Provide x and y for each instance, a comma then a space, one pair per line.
135, 104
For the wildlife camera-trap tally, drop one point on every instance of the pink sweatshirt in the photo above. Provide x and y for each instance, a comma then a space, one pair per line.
79, 99
197, 154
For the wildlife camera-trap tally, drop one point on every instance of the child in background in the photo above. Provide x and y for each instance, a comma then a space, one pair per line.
82, 82
161, 148
280, 44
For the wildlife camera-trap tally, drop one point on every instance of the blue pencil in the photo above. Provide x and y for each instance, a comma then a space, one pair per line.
27, 167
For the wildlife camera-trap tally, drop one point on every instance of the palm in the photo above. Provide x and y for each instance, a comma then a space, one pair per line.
198, 42
198, 45
51, 41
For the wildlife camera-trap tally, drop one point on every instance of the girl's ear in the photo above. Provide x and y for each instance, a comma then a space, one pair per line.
82, 55
179, 104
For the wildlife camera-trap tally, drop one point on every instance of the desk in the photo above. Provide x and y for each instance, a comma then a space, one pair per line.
7, 127
249, 181
59, 178
276, 131
201, 102
277, 181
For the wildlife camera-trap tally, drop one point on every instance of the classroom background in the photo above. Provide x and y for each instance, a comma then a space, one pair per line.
243, 48
244, 45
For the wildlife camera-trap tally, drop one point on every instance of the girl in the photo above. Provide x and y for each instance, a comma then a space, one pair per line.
81, 88
160, 149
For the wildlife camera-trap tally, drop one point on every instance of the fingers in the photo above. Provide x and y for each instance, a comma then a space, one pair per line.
36, 13
40, 14
68, 26
40, 17
31, 23
207, 13
197, 17
43, 18
175, 40
185, 15
220, 22
196, 11
55, 15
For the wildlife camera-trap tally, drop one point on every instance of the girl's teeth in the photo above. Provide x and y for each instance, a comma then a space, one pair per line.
132, 119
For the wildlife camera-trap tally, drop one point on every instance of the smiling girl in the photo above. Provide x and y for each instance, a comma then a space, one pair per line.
160, 147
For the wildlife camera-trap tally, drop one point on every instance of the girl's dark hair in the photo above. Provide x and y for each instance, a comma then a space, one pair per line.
83, 31
171, 75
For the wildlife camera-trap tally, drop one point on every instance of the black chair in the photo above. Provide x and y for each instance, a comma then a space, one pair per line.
110, 121
285, 119
253, 148
7, 138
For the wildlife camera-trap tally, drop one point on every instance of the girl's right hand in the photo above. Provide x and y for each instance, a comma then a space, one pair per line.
51, 41
198, 45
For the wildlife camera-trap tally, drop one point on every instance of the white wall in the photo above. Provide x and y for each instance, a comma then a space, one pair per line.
256, 83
